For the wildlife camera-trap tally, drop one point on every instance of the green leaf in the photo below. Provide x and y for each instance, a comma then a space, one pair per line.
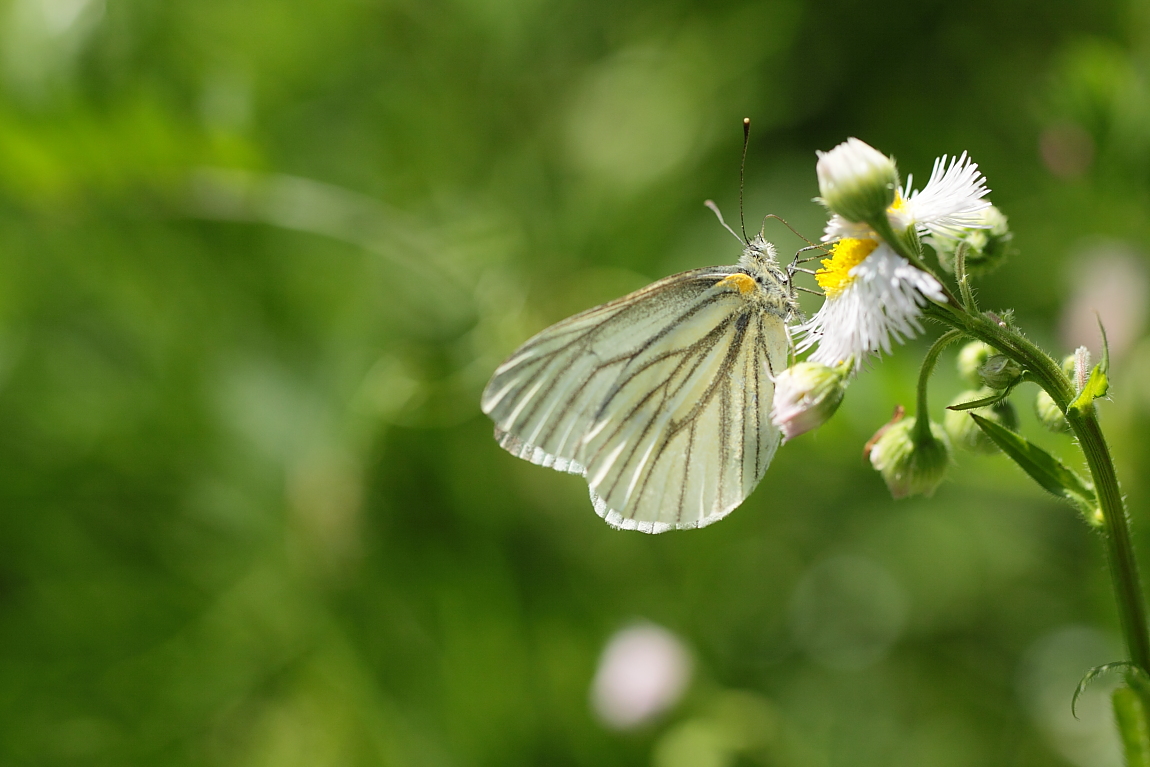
1096, 386
998, 396
1044, 468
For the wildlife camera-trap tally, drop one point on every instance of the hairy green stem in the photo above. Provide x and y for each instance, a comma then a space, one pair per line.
922, 414
1084, 423
1123, 565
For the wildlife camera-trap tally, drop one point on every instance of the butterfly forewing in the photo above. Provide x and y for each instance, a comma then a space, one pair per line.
548, 391
661, 399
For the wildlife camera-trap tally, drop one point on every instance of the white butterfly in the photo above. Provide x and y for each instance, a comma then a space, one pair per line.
661, 399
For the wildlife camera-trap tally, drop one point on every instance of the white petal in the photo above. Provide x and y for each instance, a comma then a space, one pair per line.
951, 199
838, 228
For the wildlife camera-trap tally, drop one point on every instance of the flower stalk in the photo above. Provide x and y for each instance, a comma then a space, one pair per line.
1047, 373
1123, 566
876, 296
928, 363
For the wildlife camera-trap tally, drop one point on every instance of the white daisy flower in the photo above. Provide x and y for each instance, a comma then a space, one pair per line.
951, 201
873, 295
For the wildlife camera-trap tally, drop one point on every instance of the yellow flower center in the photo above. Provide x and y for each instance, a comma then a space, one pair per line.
897, 213
846, 254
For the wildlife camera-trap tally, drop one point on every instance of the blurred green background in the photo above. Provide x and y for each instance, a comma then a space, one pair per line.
258, 258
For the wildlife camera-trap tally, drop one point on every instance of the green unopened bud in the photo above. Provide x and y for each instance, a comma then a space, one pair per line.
911, 465
965, 433
857, 181
807, 394
973, 356
1081, 368
986, 246
1048, 413
1000, 372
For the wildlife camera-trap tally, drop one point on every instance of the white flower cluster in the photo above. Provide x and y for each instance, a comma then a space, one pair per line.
879, 296
874, 286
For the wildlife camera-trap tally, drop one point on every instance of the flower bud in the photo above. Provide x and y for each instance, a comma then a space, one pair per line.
965, 433
1048, 413
1000, 372
807, 395
973, 356
857, 181
1081, 368
910, 465
987, 245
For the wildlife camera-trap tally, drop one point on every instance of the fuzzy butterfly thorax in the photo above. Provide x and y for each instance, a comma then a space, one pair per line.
776, 292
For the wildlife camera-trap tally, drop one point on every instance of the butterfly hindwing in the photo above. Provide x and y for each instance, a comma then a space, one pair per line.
698, 446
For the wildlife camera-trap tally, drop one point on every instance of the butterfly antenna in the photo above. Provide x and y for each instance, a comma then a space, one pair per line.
715, 209
793, 230
743, 173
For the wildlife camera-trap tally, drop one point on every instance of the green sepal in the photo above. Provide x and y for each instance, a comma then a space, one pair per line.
1130, 716
993, 399
1096, 386
963, 278
1045, 469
